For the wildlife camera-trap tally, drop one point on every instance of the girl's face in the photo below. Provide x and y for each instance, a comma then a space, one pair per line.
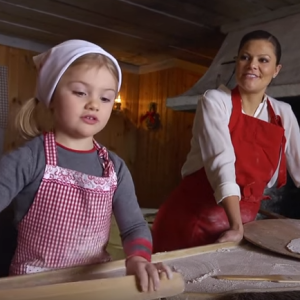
83, 100
256, 66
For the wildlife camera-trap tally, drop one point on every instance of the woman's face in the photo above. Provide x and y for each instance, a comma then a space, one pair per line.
256, 66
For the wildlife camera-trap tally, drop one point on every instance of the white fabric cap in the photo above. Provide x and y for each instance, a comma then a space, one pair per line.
52, 64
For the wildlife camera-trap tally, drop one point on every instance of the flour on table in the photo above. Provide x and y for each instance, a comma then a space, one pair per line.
223, 250
199, 271
202, 277
294, 246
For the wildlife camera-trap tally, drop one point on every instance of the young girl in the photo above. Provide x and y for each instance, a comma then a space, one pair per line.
64, 184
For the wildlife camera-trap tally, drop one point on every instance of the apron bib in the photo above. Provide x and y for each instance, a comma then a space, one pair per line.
191, 217
68, 223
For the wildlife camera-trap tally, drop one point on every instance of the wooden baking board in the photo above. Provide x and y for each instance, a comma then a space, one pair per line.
273, 235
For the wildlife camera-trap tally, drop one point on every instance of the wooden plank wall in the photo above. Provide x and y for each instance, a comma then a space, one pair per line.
160, 154
21, 84
154, 158
120, 133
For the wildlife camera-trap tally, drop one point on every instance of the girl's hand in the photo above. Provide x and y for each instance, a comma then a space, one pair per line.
147, 273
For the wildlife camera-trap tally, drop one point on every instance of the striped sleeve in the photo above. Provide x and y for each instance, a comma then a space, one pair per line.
135, 233
138, 247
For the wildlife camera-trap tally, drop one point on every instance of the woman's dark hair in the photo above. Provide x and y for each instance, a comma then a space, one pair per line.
262, 35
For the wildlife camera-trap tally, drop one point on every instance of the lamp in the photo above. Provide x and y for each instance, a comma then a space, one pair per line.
118, 101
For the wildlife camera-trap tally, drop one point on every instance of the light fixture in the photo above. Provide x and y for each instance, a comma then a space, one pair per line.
118, 102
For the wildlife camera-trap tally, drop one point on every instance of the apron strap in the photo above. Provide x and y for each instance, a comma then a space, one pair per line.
50, 148
273, 118
108, 167
236, 108
282, 174
51, 153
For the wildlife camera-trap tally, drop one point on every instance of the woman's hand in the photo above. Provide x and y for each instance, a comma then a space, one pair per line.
231, 235
147, 273
231, 206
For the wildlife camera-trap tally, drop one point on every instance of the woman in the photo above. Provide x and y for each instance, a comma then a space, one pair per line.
241, 142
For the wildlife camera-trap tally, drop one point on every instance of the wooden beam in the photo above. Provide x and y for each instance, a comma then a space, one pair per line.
33, 34
172, 63
132, 14
234, 9
42, 37
188, 12
50, 18
46, 22
273, 4
165, 12
262, 18
174, 31
84, 15
20, 43
30, 45
190, 66
16, 42
31, 31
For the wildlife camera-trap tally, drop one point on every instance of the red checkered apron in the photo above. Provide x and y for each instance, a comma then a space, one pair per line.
68, 223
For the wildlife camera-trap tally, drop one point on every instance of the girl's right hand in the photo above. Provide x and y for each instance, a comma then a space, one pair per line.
148, 274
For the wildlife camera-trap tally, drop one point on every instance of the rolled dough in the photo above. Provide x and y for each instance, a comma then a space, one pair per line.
294, 246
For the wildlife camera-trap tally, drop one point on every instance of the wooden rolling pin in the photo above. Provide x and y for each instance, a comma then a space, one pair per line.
273, 278
124, 288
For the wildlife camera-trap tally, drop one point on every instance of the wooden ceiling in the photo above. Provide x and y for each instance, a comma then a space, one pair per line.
139, 32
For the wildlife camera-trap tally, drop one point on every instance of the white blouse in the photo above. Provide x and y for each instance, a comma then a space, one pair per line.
217, 157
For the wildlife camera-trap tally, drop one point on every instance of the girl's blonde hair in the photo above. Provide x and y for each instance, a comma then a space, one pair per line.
27, 119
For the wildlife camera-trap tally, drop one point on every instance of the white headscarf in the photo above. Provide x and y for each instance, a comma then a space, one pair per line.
52, 64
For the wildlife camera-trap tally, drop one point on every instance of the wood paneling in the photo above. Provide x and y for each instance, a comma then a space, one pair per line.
21, 82
154, 158
160, 154
120, 134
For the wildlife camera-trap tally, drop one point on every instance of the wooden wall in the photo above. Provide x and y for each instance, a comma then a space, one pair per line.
21, 84
154, 158
120, 134
160, 154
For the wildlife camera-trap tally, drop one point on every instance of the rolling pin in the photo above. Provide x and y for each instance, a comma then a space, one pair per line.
124, 288
273, 278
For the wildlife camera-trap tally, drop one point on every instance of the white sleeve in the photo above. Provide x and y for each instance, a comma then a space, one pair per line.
292, 134
216, 147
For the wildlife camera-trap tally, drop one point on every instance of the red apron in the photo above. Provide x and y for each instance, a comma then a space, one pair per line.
68, 223
191, 217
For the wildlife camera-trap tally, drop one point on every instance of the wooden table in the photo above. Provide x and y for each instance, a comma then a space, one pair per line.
116, 268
